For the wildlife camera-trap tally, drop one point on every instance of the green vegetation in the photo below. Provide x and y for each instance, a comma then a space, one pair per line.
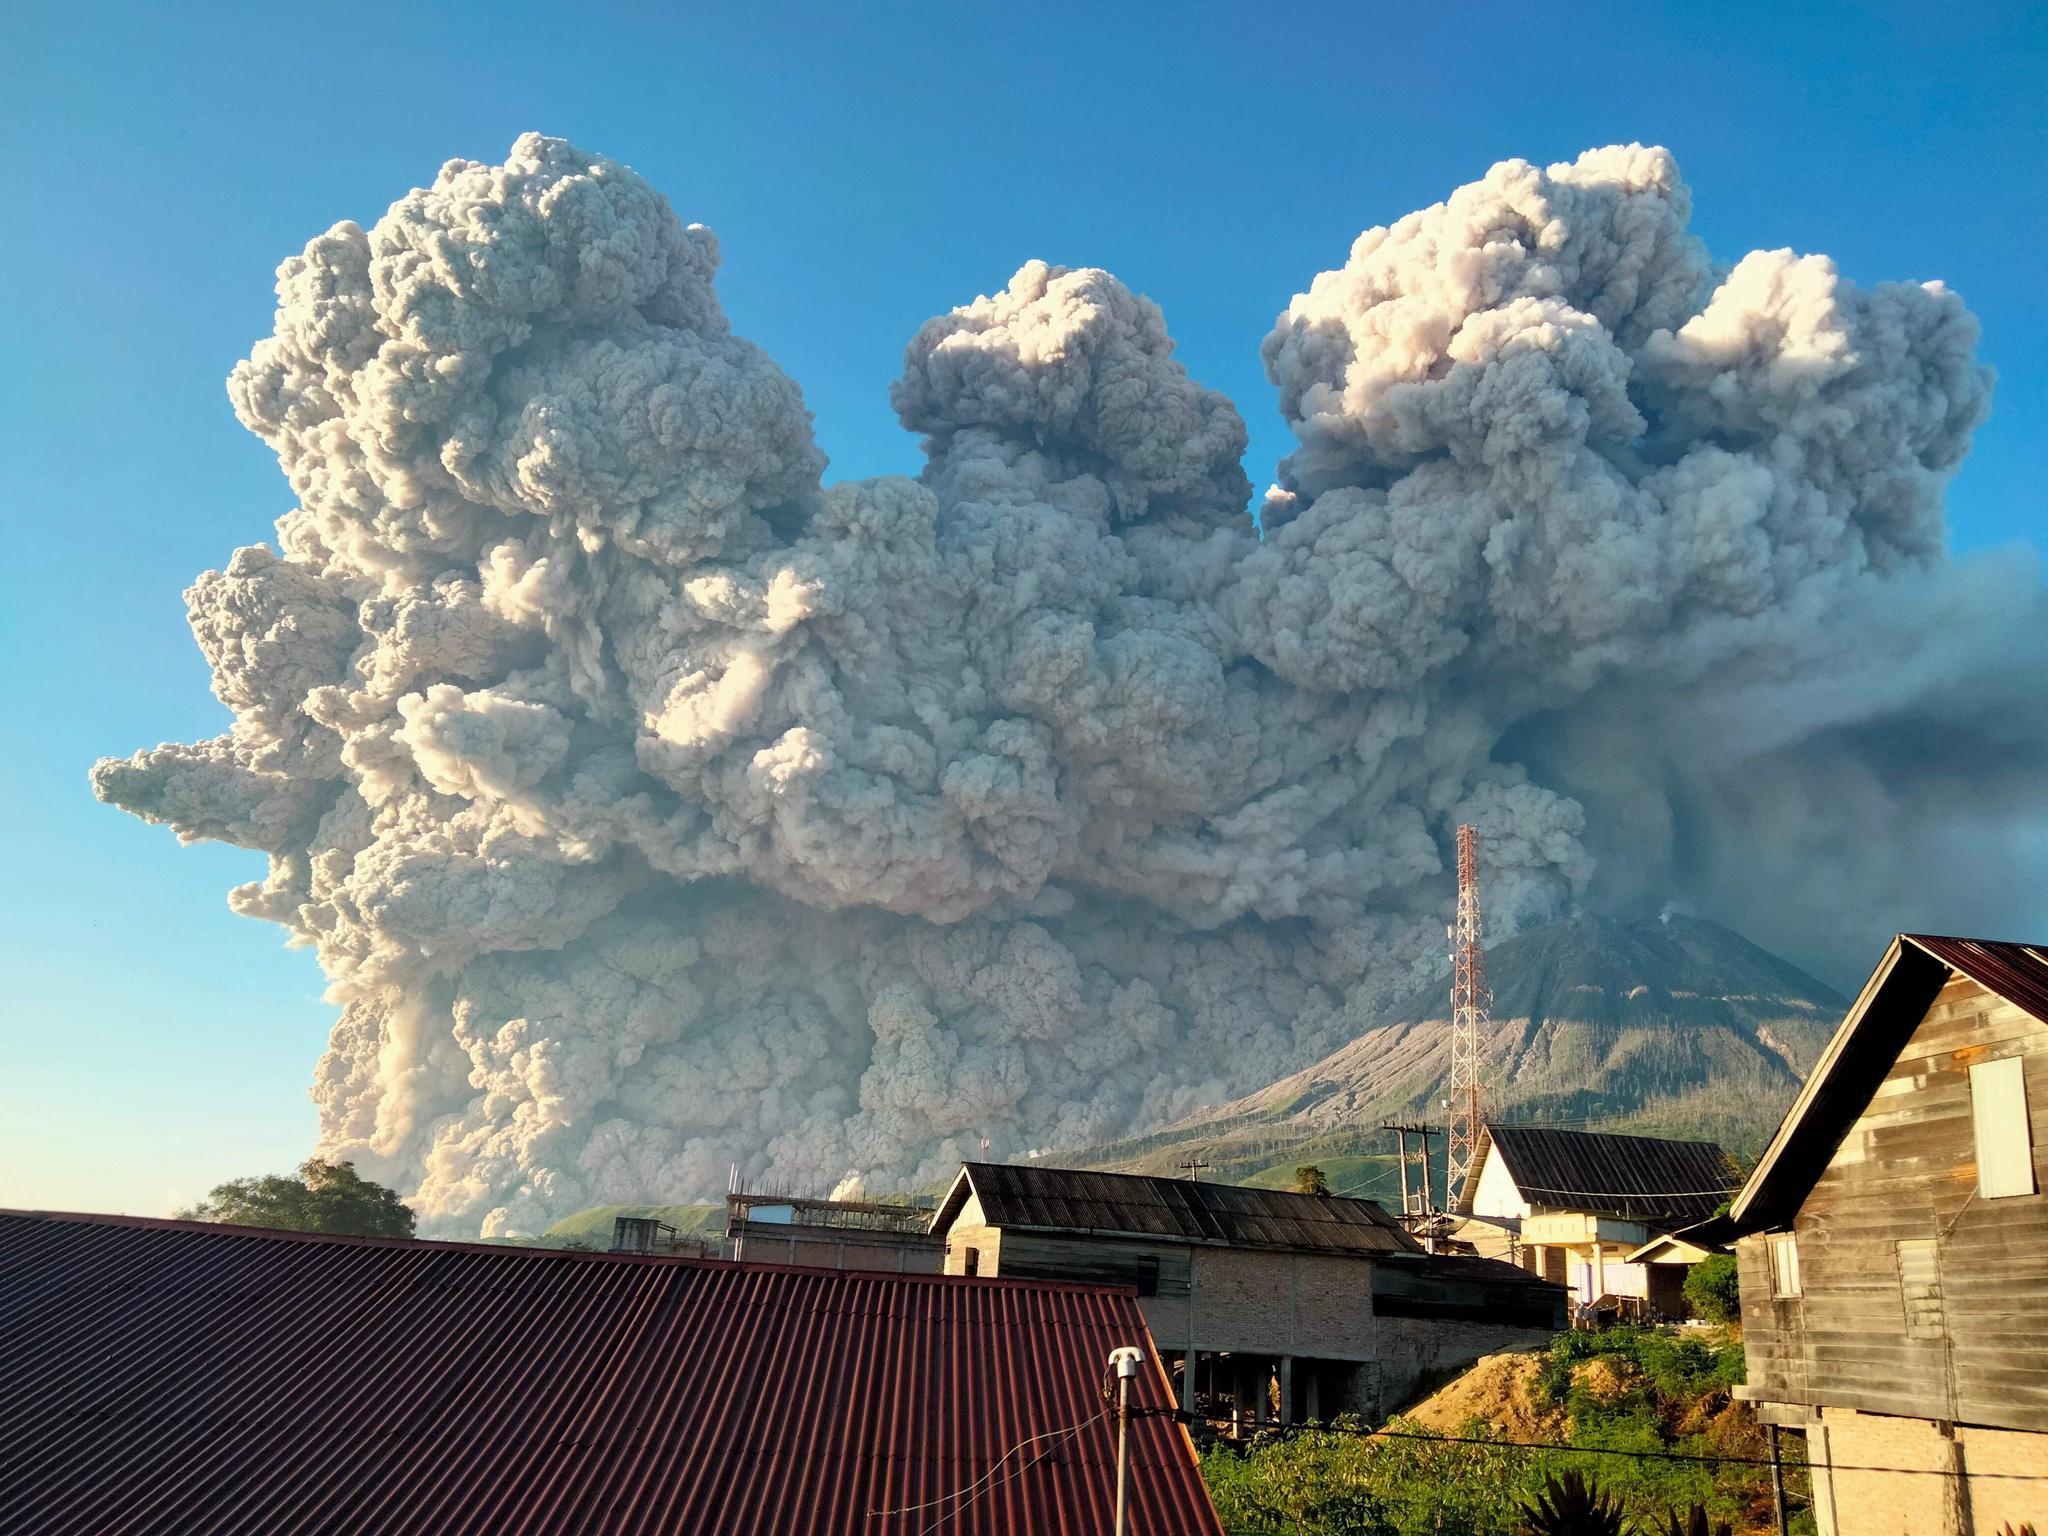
1335, 1482
1625, 1389
324, 1197
1311, 1180
1712, 1290
592, 1227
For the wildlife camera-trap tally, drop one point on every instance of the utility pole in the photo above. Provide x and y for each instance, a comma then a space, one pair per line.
1417, 1218
1193, 1165
1124, 1361
1777, 1485
1471, 1003
1401, 1134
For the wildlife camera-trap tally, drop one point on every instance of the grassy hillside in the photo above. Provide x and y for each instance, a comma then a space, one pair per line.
1626, 1390
593, 1227
1663, 1028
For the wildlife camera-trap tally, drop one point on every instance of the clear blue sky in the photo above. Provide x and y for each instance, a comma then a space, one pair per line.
864, 166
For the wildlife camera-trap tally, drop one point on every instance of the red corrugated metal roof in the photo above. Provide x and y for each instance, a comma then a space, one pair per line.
171, 1376
2016, 972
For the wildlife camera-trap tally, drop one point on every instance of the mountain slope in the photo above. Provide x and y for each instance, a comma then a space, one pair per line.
1673, 1025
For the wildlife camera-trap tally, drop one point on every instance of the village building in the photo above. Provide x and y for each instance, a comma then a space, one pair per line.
179, 1376
1264, 1303
891, 1235
1894, 1257
1606, 1215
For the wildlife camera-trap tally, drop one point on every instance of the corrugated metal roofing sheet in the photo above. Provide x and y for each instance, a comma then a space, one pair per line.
2016, 972
1180, 1210
1638, 1178
159, 1376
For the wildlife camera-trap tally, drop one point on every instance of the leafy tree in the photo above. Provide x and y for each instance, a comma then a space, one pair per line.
324, 1197
1712, 1289
1311, 1180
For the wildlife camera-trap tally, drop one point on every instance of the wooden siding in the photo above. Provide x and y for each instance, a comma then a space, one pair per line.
1976, 1351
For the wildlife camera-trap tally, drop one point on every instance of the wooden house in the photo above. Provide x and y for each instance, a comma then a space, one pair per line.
1301, 1306
1894, 1261
1603, 1214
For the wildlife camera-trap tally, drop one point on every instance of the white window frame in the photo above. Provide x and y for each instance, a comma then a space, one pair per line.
2001, 1133
1920, 1288
1782, 1249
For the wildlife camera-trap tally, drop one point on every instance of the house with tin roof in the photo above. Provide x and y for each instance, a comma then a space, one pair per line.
180, 1376
1614, 1218
1894, 1250
1265, 1304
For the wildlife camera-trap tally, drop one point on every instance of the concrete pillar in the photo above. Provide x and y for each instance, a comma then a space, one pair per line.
1315, 1396
1287, 1389
1599, 1270
1240, 1395
1190, 1363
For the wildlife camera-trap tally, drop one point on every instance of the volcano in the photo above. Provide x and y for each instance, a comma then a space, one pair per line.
1672, 1025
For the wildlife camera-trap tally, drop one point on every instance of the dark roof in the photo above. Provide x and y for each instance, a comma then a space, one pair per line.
159, 1375
2016, 972
1864, 1049
1175, 1210
1638, 1178
1473, 1267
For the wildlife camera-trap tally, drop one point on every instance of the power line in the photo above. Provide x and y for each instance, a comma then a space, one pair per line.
1596, 1450
969, 1493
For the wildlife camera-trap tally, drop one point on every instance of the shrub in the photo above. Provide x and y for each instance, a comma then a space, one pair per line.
1711, 1289
1569, 1505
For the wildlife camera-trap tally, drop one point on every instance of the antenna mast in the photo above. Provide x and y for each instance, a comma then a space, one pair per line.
1471, 1002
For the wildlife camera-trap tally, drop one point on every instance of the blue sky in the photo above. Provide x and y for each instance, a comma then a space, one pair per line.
865, 167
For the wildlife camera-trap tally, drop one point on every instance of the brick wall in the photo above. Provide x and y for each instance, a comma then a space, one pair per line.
1891, 1503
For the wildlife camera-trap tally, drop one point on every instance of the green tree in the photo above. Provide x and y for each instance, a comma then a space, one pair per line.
324, 1197
1712, 1289
1311, 1180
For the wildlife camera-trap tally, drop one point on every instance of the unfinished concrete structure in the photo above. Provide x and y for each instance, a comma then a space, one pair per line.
889, 1235
1265, 1304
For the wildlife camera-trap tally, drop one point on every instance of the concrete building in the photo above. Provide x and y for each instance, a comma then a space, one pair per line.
889, 1235
1894, 1250
1603, 1214
1264, 1303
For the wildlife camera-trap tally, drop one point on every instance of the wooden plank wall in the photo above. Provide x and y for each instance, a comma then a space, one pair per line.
1907, 1171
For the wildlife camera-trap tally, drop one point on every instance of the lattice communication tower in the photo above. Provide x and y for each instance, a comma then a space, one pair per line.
1471, 1003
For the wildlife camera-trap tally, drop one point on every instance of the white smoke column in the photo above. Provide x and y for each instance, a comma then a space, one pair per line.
651, 807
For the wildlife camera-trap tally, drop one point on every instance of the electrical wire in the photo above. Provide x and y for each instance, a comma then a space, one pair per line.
1594, 1450
969, 1493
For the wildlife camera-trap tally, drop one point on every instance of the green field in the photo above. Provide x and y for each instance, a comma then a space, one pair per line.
593, 1227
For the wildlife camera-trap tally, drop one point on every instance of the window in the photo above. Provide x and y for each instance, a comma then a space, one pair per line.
1784, 1252
1998, 1114
973, 1264
1920, 1288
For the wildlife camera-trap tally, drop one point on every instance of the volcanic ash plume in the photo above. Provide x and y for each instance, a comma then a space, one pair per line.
652, 806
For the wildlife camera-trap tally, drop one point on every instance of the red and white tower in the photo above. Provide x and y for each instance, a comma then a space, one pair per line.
1471, 1002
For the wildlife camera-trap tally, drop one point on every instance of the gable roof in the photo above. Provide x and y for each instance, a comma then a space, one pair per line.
1172, 1210
174, 1375
1638, 1178
1864, 1049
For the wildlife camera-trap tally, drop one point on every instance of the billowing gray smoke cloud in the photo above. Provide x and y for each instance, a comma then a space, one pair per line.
652, 807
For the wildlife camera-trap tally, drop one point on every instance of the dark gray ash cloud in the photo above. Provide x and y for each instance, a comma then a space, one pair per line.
652, 805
